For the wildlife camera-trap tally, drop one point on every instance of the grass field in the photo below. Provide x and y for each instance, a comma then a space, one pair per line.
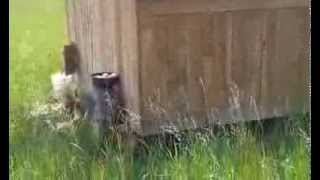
37, 34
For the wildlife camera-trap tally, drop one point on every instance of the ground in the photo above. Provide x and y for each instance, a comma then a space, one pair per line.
38, 151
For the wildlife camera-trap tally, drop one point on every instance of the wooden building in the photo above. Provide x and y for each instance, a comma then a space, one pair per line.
201, 60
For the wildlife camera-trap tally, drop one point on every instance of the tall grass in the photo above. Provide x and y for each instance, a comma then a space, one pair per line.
37, 32
237, 153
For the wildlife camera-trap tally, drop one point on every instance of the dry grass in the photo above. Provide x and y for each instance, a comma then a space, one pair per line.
40, 150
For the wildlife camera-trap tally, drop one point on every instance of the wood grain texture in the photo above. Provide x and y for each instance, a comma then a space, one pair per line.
165, 7
216, 65
285, 82
105, 32
153, 63
129, 64
236, 56
247, 41
224, 60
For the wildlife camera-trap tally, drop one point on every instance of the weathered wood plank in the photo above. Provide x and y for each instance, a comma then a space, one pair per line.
268, 58
215, 64
110, 37
195, 26
285, 79
106, 34
148, 71
130, 57
97, 60
153, 74
205, 6
247, 41
177, 60
259, 46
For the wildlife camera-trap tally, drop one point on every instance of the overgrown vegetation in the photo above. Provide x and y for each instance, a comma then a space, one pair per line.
280, 150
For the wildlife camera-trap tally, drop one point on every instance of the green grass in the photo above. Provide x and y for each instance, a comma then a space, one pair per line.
37, 34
